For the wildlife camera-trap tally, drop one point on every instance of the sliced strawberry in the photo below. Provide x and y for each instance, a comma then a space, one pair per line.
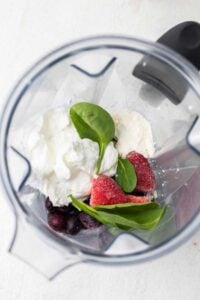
145, 177
106, 191
137, 199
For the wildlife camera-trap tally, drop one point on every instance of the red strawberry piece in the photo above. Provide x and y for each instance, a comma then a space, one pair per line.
106, 191
137, 199
145, 177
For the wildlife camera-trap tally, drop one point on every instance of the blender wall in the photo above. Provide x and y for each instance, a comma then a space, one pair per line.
108, 81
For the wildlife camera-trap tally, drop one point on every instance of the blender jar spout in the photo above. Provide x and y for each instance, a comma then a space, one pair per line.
38, 254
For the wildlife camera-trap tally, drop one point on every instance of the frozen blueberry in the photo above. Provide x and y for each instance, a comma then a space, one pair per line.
57, 221
88, 222
48, 204
63, 209
72, 210
67, 210
73, 225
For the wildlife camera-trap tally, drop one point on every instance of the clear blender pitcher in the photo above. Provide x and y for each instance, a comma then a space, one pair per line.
117, 73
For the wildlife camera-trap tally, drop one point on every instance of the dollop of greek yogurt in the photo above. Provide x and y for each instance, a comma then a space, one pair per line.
134, 133
62, 163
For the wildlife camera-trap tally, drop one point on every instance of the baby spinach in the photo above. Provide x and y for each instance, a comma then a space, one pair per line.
93, 122
127, 207
126, 176
146, 219
80, 205
128, 216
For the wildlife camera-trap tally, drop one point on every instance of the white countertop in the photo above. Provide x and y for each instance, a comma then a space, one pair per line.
31, 28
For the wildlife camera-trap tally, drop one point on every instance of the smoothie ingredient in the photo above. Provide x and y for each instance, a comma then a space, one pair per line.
62, 163
48, 205
134, 133
75, 153
127, 216
87, 221
73, 225
57, 222
137, 199
126, 176
68, 210
145, 177
68, 219
94, 123
106, 191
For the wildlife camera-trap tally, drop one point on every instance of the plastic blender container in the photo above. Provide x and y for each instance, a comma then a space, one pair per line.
101, 70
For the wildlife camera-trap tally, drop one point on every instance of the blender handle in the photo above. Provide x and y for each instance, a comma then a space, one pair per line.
184, 39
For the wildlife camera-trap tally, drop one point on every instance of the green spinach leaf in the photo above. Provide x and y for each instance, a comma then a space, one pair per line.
127, 207
86, 208
93, 122
140, 220
126, 176
128, 216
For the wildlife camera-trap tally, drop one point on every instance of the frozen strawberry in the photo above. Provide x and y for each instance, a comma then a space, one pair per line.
106, 191
137, 199
145, 177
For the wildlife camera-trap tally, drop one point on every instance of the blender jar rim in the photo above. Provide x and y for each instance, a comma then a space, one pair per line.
141, 46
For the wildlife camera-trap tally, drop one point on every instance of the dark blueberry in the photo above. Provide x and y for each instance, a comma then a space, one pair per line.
63, 209
48, 204
88, 222
57, 221
72, 210
73, 225
87, 201
67, 210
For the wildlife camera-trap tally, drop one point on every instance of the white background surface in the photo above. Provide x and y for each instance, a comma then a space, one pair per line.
29, 29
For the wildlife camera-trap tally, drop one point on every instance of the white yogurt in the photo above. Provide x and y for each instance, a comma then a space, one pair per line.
134, 133
62, 162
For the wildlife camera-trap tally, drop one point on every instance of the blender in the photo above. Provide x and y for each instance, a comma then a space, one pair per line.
116, 72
